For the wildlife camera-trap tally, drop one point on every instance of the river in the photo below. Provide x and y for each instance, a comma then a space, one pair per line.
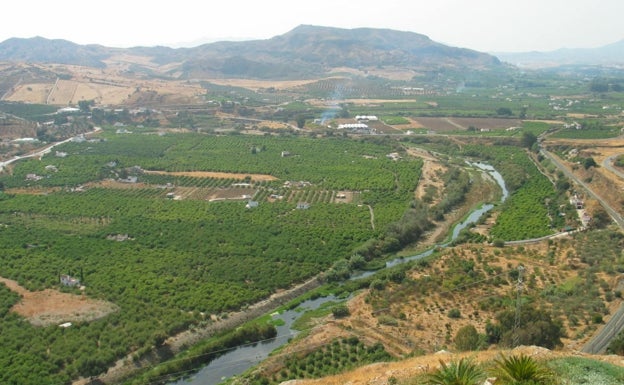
244, 357
240, 359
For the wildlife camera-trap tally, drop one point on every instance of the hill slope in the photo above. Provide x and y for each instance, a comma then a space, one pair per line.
405, 371
39, 49
305, 51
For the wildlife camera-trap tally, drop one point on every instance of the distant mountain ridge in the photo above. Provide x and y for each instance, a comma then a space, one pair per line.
42, 50
304, 51
611, 54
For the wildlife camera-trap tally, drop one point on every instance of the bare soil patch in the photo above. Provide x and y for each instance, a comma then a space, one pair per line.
260, 84
454, 124
233, 193
386, 72
359, 102
186, 192
344, 197
213, 174
109, 86
30, 93
430, 172
51, 307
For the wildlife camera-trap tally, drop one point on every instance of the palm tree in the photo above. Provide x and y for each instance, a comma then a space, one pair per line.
522, 370
462, 372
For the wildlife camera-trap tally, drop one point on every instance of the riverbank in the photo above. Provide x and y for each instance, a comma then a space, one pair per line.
129, 365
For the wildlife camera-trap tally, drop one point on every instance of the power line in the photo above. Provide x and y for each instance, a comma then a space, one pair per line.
519, 286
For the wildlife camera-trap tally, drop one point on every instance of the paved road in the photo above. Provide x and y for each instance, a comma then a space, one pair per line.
40, 152
608, 164
599, 342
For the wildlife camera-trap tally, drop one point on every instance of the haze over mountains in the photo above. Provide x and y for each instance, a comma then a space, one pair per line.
611, 54
304, 51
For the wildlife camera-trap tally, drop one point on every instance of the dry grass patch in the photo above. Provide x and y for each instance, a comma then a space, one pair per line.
454, 124
30, 93
404, 370
260, 84
214, 174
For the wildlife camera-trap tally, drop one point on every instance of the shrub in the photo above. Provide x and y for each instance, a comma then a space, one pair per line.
498, 243
520, 370
340, 311
467, 338
462, 372
454, 313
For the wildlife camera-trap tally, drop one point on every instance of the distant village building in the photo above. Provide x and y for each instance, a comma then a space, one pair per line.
24, 140
130, 179
353, 126
366, 118
299, 184
577, 202
573, 125
69, 281
33, 177
67, 110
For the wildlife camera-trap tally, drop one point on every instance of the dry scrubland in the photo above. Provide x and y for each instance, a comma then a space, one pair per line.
115, 85
386, 372
603, 182
423, 324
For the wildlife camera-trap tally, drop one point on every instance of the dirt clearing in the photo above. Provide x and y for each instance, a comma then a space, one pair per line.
454, 124
51, 307
220, 175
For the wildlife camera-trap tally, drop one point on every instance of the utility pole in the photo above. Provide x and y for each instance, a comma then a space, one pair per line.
519, 287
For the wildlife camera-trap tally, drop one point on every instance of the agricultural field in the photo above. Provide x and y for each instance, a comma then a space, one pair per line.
106, 86
463, 124
99, 211
175, 218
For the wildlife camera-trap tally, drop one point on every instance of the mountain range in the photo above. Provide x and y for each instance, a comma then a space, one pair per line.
302, 52
305, 52
611, 54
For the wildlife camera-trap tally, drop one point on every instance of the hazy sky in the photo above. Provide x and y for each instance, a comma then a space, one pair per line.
484, 25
